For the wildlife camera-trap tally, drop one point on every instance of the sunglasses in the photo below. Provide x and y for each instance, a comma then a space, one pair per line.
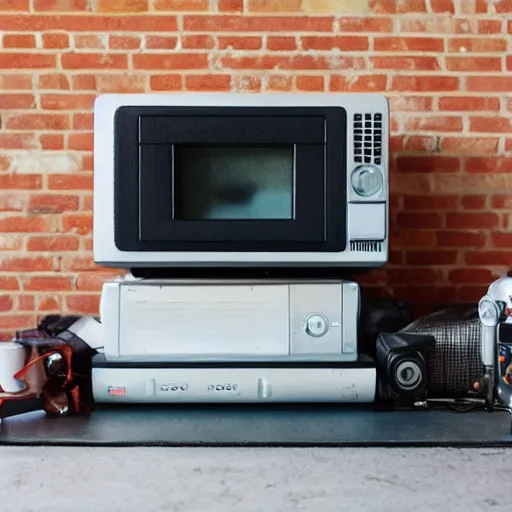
48, 375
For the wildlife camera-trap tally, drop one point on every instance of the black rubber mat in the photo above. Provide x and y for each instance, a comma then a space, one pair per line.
250, 426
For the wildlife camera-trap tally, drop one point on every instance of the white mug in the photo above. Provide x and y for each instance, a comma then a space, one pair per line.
12, 360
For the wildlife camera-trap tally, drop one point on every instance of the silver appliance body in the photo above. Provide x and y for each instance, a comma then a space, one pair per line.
367, 216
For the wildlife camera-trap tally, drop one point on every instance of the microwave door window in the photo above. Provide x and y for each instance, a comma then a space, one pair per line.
234, 183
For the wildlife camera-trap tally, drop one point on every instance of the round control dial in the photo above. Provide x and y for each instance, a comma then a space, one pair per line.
367, 180
317, 325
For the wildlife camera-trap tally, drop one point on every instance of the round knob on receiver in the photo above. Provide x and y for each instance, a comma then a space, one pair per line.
316, 325
367, 180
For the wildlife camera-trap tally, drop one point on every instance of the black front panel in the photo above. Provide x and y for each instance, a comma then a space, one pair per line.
230, 179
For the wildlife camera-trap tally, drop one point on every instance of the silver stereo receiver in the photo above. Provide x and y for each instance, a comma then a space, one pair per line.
173, 320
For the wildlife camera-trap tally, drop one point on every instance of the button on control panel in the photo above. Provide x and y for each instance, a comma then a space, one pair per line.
317, 325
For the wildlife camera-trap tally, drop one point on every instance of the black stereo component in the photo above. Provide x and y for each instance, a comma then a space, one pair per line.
402, 368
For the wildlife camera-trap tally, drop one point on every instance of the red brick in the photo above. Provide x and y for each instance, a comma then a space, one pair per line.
38, 122
409, 239
489, 83
70, 182
433, 257
257, 23
26, 264
344, 43
470, 145
89, 23
197, 42
398, 6
503, 7
279, 83
52, 203
19, 41
503, 202
420, 144
26, 303
59, 243
54, 81
400, 62
47, 304
491, 258
425, 83
488, 124
477, 44
430, 202
473, 64
124, 42
17, 322
66, 101
460, 239
83, 304
5, 162
427, 164
470, 276
123, 5
20, 181
14, 5
489, 26
230, 5
16, 81
93, 282
415, 220
468, 103
164, 61
83, 122
434, 123
17, 141
367, 24
16, 101
161, 42
240, 43
442, 6
23, 224
47, 283
80, 224
496, 164
84, 82
93, 61
51, 141
310, 83
502, 240
208, 82
60, 5
6, 303
55, 41
410, 103
468, 220
166, 83
408, 44
362, 83
474, 202
9, 283
27, 61
89, 41
81, 141
274, 5
181, 5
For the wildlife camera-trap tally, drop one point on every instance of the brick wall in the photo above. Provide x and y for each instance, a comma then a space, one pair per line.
445, 65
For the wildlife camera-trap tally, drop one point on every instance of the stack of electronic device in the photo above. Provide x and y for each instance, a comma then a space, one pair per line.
239, 219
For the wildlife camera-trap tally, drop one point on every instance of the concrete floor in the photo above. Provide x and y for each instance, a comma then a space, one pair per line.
219, 479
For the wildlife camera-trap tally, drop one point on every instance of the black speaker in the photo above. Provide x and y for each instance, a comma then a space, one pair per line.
402, 369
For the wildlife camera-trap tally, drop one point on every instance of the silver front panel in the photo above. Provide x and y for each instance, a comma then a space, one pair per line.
231, 385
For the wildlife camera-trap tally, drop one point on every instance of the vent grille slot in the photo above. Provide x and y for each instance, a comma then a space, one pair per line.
368, 138
365, 246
